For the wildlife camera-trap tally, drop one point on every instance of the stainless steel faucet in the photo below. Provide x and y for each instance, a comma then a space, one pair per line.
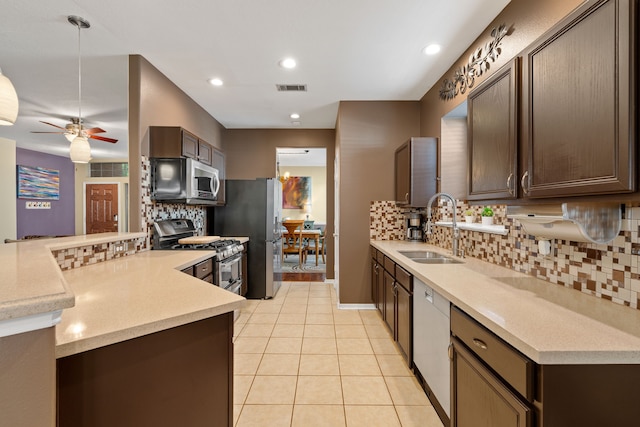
456, 231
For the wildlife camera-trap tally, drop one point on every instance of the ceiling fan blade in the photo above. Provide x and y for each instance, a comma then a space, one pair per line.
94, 130
102, 138
33, 131
51, 124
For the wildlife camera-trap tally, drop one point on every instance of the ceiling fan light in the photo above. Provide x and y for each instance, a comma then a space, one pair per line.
8, 102
80, 150
70, 136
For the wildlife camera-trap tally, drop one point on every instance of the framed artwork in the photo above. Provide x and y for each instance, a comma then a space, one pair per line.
296, 192
38, 183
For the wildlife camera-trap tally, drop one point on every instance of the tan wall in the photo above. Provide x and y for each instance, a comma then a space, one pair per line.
8, 227
28, 379
368, 134
251, 153
154, 100
318, 175
527, 20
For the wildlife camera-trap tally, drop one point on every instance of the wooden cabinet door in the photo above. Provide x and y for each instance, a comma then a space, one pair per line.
380, 289
374, 282
403, 173
416, 171
218, 162
189, 145
205, 152
389, 285
479, 398
579, 102
493, 135
404, 320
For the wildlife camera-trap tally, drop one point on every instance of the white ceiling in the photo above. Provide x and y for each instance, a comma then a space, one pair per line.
346, 50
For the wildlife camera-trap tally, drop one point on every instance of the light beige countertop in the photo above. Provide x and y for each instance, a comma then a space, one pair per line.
137, 295
32, 282
548, 323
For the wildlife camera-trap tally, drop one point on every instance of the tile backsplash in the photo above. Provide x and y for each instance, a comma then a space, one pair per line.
608, 271
71, 258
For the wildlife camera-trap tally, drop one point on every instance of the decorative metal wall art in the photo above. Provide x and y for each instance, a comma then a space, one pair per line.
465, 76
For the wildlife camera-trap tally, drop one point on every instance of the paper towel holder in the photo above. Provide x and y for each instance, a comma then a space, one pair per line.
575, 221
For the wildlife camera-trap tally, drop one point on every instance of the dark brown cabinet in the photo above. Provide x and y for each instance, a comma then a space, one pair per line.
392, 288
492, 115
416, 171
218, 163
579, 104
173, 141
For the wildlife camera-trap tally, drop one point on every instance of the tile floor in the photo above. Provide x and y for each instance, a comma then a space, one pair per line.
299, 361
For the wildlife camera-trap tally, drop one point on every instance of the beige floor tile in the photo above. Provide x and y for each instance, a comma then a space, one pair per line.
371, 416
250, 345
377, 331
296, 299
241, 386
279, 364
264, 318
265, 415
350, 331
269, 307
319, 331
353, 346
250, 305
319, 364
256, 330
383, 346
319, 390
284, 345
347, 317
359, 364
365, 391
370, 317
393, 365
319, 300
236, 413
319, 319
316, 292
246, 363
418, 416
318, 416
242, 319
283, 330
319, 346
320, 308
292, 318
288, 308
272, 390
405, 391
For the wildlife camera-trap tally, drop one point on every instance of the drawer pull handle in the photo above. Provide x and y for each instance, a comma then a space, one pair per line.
480, 343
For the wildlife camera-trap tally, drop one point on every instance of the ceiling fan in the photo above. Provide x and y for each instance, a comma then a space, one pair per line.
75, 128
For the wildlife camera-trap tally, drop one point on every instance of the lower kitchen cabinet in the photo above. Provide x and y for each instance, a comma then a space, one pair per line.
181, 376
389, 285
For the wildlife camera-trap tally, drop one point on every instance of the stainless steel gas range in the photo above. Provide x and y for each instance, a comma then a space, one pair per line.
181, 234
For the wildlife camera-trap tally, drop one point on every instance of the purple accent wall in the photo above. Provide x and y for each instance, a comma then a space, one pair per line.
60, 219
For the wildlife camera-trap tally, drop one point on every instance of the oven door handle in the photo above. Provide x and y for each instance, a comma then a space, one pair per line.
231, 260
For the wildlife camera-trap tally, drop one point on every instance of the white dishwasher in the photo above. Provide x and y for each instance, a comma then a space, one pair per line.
431, 312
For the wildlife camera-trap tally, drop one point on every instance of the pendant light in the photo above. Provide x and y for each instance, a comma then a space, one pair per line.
8, 101
79, 150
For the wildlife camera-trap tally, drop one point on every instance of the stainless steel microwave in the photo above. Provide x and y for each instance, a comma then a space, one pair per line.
184, 180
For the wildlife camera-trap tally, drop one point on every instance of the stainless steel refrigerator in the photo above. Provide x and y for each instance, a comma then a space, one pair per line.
254, 209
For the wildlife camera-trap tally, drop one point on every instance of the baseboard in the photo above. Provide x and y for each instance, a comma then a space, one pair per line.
356, 306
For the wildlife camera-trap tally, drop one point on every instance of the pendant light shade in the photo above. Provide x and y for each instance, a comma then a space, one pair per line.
79, 150
8, 102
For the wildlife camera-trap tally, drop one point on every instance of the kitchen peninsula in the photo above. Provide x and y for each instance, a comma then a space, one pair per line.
139, 328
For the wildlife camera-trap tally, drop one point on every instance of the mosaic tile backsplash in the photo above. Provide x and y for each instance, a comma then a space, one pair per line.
608, 271
86, 255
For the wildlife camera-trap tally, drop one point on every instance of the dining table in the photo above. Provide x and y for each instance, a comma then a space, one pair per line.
313, 234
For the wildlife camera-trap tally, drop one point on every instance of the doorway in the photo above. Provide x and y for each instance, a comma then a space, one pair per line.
101, 211
303, 173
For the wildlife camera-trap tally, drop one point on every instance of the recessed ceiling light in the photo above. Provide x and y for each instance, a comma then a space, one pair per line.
432, 49
288, 63
295, 116
216, 82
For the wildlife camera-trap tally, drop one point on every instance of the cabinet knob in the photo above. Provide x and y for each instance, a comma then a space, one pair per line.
525, 182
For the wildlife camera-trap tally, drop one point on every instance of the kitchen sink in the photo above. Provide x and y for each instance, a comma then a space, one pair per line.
429, 257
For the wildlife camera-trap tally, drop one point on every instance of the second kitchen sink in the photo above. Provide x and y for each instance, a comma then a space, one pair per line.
429, 257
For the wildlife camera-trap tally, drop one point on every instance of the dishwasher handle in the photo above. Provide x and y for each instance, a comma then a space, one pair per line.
428, 295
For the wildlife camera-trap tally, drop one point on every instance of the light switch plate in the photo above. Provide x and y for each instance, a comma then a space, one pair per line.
38, 205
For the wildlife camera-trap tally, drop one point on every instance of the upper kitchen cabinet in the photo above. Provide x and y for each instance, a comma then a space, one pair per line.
173, 141
416, 171
579, 95
492, 116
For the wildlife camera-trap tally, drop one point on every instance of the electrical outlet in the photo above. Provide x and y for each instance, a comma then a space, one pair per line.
120, 248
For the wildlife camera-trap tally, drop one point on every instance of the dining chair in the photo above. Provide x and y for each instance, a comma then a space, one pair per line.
292, 242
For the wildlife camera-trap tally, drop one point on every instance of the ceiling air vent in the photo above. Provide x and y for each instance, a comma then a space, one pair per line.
291, 88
